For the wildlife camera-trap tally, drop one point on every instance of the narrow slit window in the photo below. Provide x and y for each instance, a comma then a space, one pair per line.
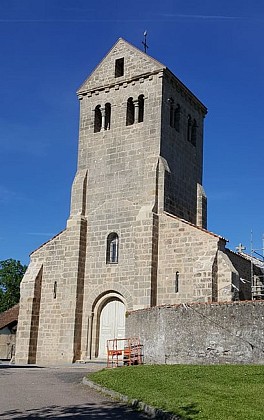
130, 117
189, 128
140, 108
112, 248
97, 119
177, 282
55, 290
171, 102
194, 133
107, 116
177, 118
119, 67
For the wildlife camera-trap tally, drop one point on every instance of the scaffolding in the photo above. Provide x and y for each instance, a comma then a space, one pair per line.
257, 271
124, 352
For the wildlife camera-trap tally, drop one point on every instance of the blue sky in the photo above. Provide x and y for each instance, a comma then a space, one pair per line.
49, 47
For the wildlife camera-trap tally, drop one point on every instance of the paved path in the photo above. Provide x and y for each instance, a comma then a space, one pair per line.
30, 392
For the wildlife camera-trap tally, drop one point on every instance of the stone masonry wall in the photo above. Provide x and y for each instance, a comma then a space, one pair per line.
190, 252
39, 326
52, 257
200, 333
184, 159
227, 279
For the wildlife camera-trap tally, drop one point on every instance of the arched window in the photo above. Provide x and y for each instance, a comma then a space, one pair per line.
189, 128
140, 108
194, 133
97, 119
177, 117
171, 102
112, 248
130, 117
107, 116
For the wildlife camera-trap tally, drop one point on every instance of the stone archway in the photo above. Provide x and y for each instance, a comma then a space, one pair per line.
108, 321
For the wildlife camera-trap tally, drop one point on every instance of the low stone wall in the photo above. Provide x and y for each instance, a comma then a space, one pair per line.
200, 333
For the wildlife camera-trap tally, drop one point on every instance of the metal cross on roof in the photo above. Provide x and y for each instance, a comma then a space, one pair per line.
240, 248
145, 41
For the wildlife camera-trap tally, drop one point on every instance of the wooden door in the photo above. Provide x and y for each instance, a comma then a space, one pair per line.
112, 324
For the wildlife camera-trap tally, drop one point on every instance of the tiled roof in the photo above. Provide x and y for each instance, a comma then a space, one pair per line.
9, 316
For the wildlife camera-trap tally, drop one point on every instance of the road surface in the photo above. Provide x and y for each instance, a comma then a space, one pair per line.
31, 392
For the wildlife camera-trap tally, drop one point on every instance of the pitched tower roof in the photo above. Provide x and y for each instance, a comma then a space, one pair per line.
137, 64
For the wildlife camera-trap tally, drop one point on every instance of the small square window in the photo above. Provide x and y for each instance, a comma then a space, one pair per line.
119, 67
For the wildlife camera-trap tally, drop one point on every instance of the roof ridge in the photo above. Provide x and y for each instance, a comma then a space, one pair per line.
195, 226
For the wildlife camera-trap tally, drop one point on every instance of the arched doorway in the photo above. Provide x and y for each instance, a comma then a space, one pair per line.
112, 324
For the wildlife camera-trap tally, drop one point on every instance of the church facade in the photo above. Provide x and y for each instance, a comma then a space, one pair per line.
136, 236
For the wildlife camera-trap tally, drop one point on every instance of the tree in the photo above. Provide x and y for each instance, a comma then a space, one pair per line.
11, 274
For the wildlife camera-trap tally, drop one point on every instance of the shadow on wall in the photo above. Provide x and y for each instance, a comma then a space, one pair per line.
87, 411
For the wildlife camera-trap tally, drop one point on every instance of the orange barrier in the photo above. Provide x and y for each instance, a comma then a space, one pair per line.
124, 352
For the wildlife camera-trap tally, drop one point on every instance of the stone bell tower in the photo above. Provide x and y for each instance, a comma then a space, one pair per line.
140, 156
140, 153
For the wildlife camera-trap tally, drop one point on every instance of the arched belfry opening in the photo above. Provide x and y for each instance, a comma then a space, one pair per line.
97, 119
140, 108
107, 116
130, 116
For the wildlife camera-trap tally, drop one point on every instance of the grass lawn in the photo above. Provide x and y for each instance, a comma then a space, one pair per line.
219, 392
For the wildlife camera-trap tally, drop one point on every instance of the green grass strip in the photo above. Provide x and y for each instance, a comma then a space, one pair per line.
218, 392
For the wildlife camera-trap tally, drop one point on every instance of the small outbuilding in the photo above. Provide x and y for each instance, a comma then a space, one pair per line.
8, 328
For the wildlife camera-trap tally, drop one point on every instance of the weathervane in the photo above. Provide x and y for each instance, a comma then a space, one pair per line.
145, 41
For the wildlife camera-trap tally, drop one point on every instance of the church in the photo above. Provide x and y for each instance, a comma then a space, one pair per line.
136, 236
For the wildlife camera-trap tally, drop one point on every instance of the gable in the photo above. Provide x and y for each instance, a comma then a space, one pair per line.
135, 64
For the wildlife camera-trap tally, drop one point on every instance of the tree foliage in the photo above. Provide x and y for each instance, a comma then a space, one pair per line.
11, 274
